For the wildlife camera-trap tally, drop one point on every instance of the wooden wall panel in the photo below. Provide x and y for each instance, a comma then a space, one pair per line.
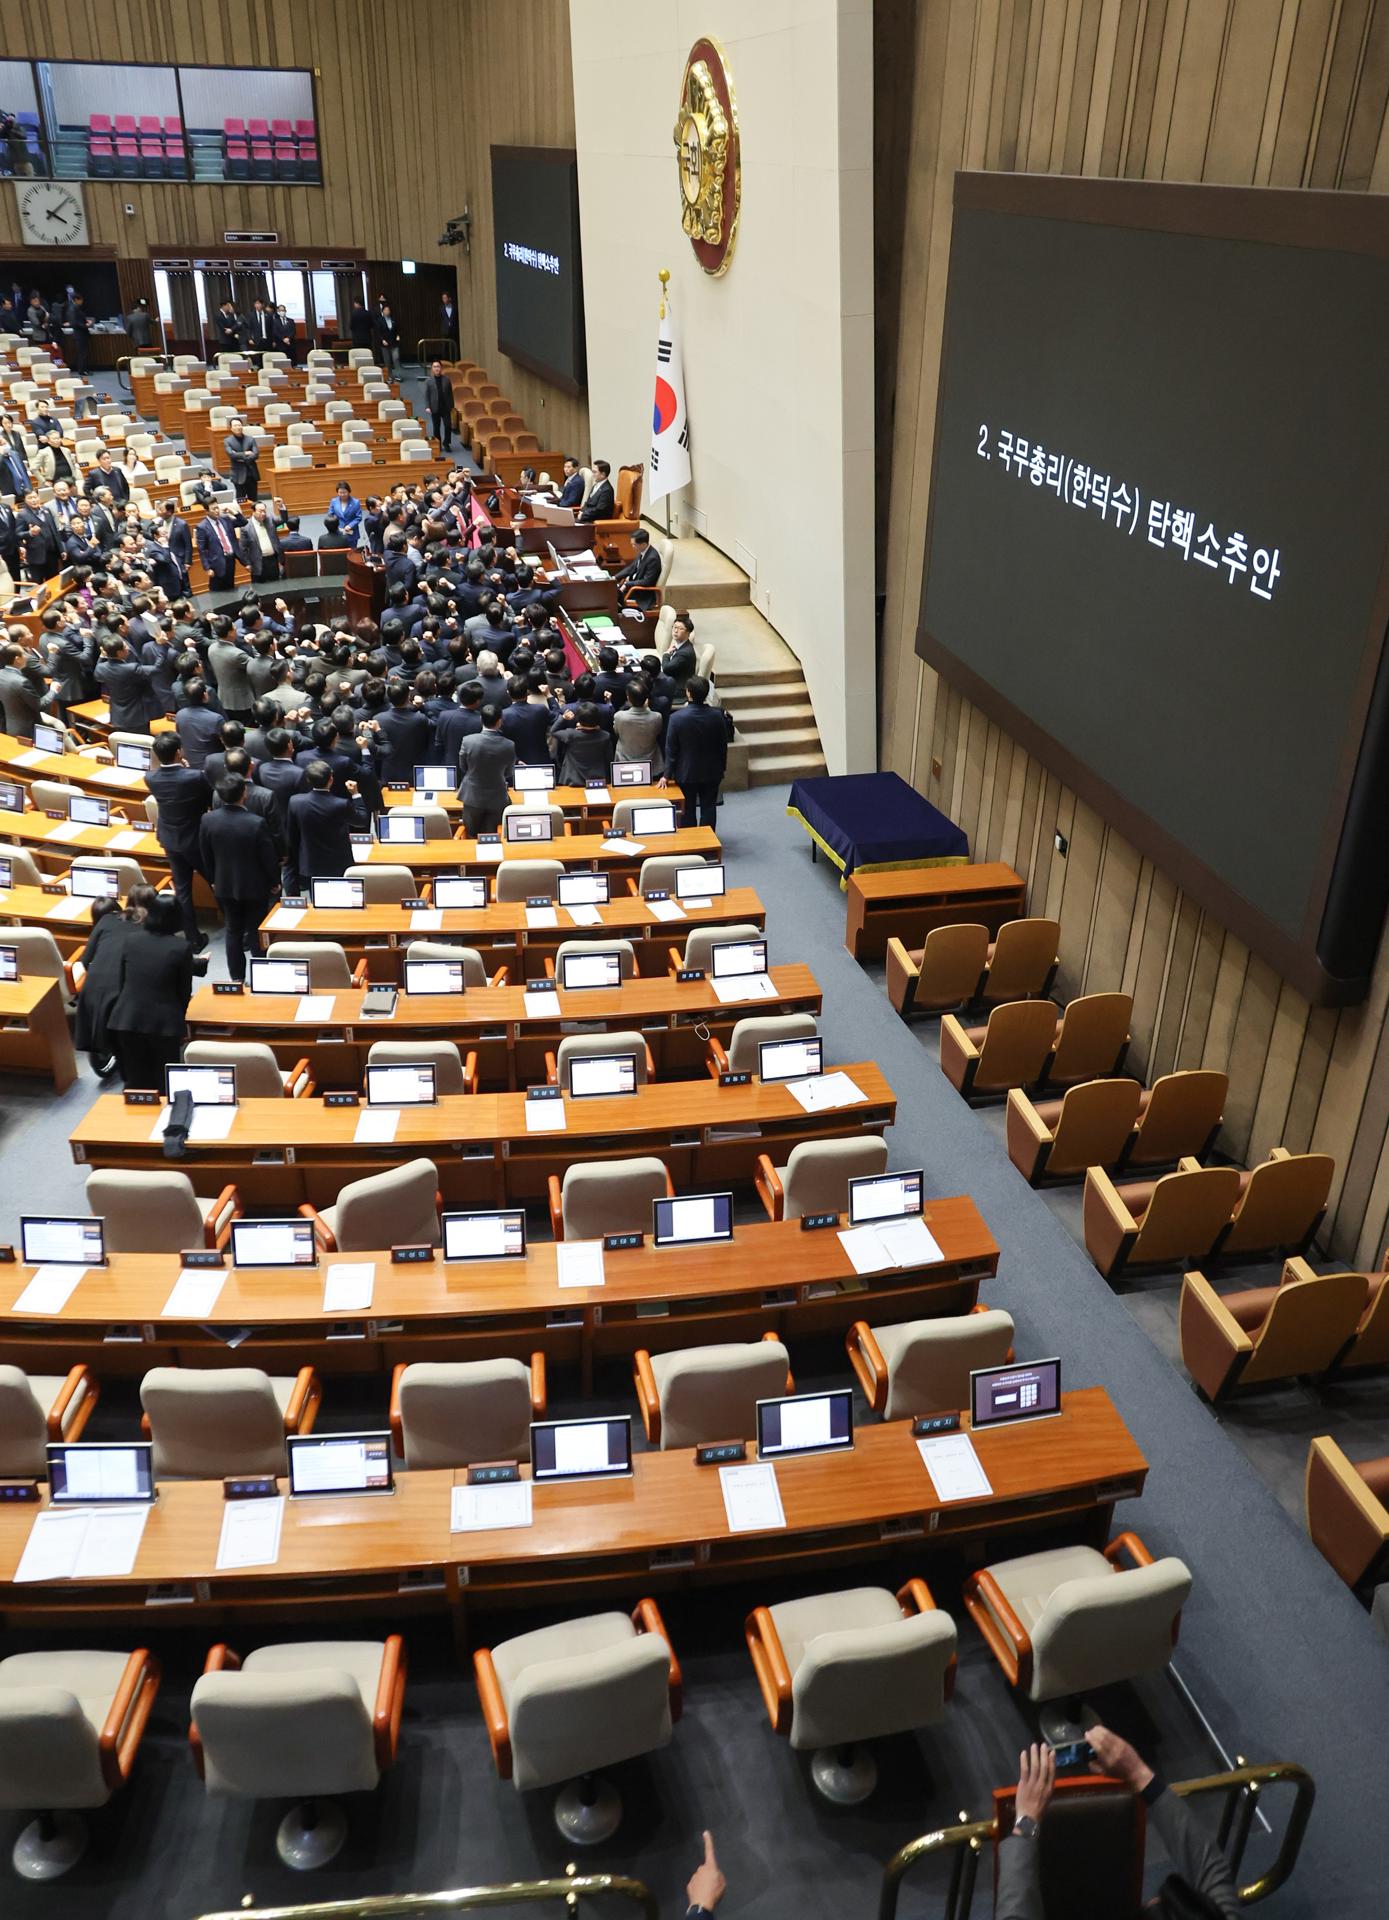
1281, 93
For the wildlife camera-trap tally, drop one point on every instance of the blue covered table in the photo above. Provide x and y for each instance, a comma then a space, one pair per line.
874, 821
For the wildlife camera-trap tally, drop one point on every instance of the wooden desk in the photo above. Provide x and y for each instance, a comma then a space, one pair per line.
510, 1043
94, 716
499, 932
664, 1525
479, 1141
68, 920
34, 1036
777, 1280
570, 849
125, 789
55, 843
910, 902
576, 803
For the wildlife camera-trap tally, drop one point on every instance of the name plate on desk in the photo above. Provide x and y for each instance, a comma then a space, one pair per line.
689, 973
342, 1099
359, 839
936, 1423
395, 786
418, 904
54, 813
539, 900
811, 1221
229, 986
492, 1473
250, 1486
202, 1257
720, 1453
53, 886
735, 1079
26, 1492
616, 1242
613, 833
294, 900
544, 1093
655, 895
142, 1097
489, 839
407, 1256
7, 1256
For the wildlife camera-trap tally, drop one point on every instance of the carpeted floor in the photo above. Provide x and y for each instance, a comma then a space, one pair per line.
1278, 1656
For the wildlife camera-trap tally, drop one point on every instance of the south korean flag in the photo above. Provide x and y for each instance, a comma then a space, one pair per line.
670, 430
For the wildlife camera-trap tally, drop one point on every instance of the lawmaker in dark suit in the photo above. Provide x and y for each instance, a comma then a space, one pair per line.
438, 400
71, 656
571, 494
697, 753
226, 329
182, 796
126, 685
242, 861
22, 689
320, 826
217, 550
177, 536
602, 501
258, 547
486, 761
198, 726
243, 454
678, 662
107, 474
161, 658
637, 582
281, 777
400, 736
453, 726
150, 1013
585, 750
526, 723
284, 332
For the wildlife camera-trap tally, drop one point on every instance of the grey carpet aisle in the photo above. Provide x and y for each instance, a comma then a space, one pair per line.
1277, 1653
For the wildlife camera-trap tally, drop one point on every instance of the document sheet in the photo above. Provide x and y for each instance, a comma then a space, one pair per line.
194, 1294
751, 1497
545, 1116
250, 1535
484, 1509
348, 1287
580, 1263
955, 1468
376, 1125
49, 1290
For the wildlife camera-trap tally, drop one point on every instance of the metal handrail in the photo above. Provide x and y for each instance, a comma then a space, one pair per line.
571, 1889
1241, 1786
435, 340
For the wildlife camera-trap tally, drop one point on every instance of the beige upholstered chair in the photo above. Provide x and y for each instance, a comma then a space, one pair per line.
71, 1722
606, 1196
1090, 1126
209, 1422
1011, 1051
437, 824
24, 872
1069, 1618
131, 873
817, 1173
312, 1719
1157, 1223
945, 971
836, 1669
452, 1073
1179, 1116
531, 809
1266, 1334
159, 1212
474, 967
749, 1034
52, 795
398, 1208
1281, 1203
454, 1413
259, 1075
385, 886
37, 1408
1347, 1510
634, 1044
563, 1701
623, 810
701, 1394
700, 941
1092, 1038
521, 880
36, 953
1022, 961
658, 870
328, 963
923, 1366
624, 949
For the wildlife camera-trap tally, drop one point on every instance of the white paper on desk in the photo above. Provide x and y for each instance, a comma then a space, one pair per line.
910, 1242
541, 1005
507, 1503
954, 1467
50, 1552
825, 1090
376, 1125
194, 1293
127, 838
546, 1116
208, 1123
493, 850
623, 846
865, 1249
426, 919
744, 986
250, 1534
597, 797
751, 1497
541, 917
117, 776
579, 1263
283, 918
688, 902
587, 916
111, 1543
29, 758
68, 909
665, 910
315, 1006
57, 829
49, 1289
348, 1288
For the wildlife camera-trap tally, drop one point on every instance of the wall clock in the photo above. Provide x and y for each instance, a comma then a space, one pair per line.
51, 213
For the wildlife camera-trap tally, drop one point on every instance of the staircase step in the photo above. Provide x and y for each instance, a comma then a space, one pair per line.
776, 769
793, 740
780, 719
737, 677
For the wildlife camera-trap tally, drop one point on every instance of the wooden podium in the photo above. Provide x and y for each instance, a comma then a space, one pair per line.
366, 587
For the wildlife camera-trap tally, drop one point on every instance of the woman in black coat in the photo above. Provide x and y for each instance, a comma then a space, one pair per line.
150, 1015
111, 931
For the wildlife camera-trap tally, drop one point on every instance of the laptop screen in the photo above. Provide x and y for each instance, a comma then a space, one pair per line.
520, 828
885, 1196
9, 960
340, 1463
734, 957
87, 811
806, 1423
434, 976
492, 1235
279, 976
273, 1243
100, 1473
691, 1217
94, 883
435, 779
400, 829
593, 1075
583, 890
631, 773
460, 890
209, 1086
701, 883
590, 970
580, 1449
1000, 1395
48, 739
53, 1239
11, 798
334, 893
136, 758
412, 1086
790, 1059
532, 779
657, 817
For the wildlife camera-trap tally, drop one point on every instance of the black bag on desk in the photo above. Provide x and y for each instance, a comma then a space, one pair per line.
180, 1120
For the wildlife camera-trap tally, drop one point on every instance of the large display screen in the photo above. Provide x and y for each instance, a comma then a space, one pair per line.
1157, 541
540, 282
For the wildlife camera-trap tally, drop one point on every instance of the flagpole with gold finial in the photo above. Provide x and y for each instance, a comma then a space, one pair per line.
664, 277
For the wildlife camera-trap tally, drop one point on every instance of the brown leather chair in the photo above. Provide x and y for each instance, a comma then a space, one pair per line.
1179, 1115
1281, 1205
1090, 1126
1370, 1347
1265, 1334
1022, 961
1092, 1039
945, 972
1091, 1846
1156, 1223
1348, 1511
1011, 1051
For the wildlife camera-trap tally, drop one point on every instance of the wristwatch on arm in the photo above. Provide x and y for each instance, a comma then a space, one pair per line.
1025, 1827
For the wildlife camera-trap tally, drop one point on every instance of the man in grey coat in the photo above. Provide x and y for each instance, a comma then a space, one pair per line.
485, 764
230, 663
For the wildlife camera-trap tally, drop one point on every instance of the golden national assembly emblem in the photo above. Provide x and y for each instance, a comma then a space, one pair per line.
707, 156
